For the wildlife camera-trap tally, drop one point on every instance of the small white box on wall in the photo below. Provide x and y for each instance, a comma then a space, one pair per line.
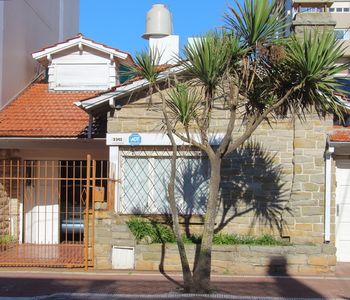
122, 257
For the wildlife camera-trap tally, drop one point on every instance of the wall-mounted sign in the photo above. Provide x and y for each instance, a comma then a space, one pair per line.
135, 139
152, 139
117, 139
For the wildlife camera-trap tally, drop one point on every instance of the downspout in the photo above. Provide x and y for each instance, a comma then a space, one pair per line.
90, 127
328, 195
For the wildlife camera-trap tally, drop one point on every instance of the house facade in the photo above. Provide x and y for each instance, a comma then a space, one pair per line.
275, 184
282, 181
45, 143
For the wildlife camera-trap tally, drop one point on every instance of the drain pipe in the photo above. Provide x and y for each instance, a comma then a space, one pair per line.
90, 127
328, 195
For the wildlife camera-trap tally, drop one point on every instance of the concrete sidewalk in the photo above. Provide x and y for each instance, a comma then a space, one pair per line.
39, 283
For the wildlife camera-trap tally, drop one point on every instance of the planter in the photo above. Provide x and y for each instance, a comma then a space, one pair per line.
242, 258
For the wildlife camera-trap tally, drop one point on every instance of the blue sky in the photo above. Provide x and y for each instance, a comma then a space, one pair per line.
120, 24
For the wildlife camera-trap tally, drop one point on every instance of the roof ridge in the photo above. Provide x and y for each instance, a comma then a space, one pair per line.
80, 35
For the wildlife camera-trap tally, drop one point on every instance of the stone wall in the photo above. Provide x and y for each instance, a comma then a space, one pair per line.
274, 184
110, 230
242, 258
9, 193
4, 212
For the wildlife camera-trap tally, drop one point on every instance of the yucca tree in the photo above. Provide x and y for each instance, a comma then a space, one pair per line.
147, 65
247, 70
255, 21
263, 74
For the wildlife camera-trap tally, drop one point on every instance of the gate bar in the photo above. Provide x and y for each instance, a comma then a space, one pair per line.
86, 229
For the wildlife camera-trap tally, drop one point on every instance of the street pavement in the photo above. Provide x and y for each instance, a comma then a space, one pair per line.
63, 284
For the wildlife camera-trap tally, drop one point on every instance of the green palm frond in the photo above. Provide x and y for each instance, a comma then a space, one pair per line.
315, 61
237, 49
206, 60
257, 21
147, 64
184, 103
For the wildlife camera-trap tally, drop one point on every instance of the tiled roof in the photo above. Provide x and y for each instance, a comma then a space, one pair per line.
40, 113
340, 134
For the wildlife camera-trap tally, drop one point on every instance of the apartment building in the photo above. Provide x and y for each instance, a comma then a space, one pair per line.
26, 26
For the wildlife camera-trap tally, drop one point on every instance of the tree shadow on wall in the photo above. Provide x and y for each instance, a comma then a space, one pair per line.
252, 184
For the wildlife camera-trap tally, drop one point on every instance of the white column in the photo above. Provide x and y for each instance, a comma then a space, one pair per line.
328, 195
115, 172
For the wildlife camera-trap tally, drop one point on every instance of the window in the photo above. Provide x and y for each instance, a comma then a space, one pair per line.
341, 34
145, 177
311, 9
339, 9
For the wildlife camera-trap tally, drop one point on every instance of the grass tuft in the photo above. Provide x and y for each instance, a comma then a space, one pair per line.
155, 233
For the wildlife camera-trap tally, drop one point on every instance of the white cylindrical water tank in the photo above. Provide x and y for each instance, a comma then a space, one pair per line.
158, 22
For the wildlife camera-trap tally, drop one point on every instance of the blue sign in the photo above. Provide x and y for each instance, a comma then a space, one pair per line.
135, 139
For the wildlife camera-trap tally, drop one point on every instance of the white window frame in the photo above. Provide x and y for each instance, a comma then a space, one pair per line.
151, 156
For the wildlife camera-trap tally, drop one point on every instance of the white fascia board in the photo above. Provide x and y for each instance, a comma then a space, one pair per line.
345, 102
155, 139
94, 102
124, 90
51, 143
75, 42
337, 144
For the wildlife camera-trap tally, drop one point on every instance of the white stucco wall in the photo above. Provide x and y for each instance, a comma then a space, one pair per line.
27, 26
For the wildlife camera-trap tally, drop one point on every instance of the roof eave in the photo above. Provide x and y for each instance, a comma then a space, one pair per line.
109, 98
51, 143
75, 42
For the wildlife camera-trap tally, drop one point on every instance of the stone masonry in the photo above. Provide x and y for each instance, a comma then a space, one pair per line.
110, 230
9, 205
242, 258
4, 212
274, 184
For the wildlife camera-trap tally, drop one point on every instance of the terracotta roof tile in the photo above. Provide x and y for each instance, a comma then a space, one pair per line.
340, 134
40, 113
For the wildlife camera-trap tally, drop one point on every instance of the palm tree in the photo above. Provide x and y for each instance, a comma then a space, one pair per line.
248, 70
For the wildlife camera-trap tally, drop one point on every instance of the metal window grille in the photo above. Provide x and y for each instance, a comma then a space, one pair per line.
145, 174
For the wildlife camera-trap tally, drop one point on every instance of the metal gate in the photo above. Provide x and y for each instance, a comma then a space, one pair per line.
47, 211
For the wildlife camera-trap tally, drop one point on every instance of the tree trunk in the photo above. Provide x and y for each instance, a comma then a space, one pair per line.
186, 271
201, 275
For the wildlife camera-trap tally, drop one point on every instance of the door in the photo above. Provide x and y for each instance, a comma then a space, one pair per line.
41, 202
342, 219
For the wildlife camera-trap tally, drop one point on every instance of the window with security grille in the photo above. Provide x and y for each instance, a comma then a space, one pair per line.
145, 177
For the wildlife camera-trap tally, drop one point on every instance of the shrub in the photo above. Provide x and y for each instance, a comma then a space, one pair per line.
6, 239
155, 232
225, 239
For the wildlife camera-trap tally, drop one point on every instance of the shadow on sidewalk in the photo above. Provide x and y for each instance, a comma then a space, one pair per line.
277, 284
42, 283
161, 268
287, 286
